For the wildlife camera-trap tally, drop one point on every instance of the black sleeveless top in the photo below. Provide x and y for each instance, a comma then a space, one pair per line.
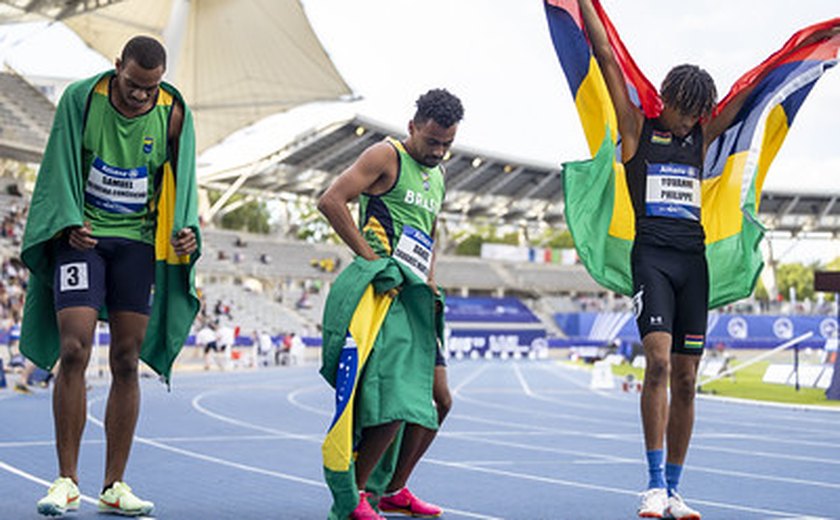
664, 178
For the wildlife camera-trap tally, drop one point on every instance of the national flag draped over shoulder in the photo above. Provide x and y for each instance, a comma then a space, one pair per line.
598, 208
58, 202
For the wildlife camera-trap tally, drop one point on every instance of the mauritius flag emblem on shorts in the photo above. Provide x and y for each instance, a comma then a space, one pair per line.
694, 341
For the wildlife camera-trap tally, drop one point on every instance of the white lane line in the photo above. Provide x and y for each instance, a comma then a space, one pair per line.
215, 460
310, 438
522, 382
196, 403
469, 379
694, 446
293, 399
595, 487
28, 476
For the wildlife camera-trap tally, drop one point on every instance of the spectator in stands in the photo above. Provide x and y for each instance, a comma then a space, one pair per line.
90, 243
226, 339
400, 189
206, 339
670, 276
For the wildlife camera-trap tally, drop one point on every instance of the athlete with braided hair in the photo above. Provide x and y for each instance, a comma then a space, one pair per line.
663, 160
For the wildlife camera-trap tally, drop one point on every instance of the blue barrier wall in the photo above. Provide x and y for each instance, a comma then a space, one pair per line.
733, 330
488, 310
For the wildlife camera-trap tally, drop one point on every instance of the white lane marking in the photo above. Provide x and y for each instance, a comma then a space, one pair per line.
293, 399
308, 438
595, 487
28, 476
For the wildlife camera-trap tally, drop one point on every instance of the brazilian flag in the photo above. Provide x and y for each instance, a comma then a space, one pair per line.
58, 203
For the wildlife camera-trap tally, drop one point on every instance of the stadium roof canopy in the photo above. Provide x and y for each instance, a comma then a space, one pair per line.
25, 119
33, 10
479, 183
268, 60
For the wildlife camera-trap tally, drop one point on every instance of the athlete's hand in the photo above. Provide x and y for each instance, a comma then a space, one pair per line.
184, 242
80, 237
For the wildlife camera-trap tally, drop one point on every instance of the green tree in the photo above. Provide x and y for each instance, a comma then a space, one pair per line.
798, 276
251, 216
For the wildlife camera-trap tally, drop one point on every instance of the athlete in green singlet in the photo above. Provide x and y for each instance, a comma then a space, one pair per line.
400, 188
132, 127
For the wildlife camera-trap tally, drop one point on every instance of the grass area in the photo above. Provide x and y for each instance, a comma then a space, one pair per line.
745, 384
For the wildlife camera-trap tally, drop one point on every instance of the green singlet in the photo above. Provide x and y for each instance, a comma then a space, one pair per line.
400, 222
122, 157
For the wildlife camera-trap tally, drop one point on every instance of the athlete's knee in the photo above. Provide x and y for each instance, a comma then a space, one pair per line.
657, 371
124, 358
683, 386
74, 353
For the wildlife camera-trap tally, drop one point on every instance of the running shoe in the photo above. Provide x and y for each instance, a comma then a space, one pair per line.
654, 503
406, 503
365, 511
22, 389
62, 496
118, 499
678, 510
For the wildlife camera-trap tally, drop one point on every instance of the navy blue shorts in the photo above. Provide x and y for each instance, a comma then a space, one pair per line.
671, 294
118, 273
440, 360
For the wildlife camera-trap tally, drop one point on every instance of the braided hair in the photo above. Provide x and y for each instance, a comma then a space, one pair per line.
691, 90
439, 105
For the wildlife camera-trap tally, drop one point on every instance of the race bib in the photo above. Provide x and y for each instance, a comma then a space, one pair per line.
73, 277
414, 250
117, 190
673, 190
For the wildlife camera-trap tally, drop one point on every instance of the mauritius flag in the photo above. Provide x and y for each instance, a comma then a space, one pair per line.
58, 202
598, 209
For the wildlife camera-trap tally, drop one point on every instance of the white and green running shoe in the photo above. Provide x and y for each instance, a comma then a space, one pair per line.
118, 499
63, 496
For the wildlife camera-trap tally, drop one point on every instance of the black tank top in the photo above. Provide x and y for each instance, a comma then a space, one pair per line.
664, 179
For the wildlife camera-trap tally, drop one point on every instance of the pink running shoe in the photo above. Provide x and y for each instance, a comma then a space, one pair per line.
364, 511
406, 503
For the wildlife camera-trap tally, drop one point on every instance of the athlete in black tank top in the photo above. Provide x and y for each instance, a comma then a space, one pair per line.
663, 159
664, 182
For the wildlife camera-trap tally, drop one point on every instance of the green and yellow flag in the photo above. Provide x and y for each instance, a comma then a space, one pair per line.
58, 203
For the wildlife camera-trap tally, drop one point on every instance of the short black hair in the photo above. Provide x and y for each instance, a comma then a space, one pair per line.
145, 51
690, 89
439, 105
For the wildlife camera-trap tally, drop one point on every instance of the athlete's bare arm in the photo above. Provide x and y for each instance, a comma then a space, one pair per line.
630, 118
374, 172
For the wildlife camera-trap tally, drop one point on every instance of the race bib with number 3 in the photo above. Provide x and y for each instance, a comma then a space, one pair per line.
73, 277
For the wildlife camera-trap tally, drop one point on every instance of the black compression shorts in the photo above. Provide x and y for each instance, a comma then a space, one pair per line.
670, 294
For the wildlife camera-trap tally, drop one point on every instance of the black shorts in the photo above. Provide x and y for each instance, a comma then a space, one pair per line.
118, 272
440, 359
670, 294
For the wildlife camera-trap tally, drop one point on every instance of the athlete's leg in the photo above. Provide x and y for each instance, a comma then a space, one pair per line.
375, 440
681, 412
654, 402
417, 439
127, 332
75, 327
